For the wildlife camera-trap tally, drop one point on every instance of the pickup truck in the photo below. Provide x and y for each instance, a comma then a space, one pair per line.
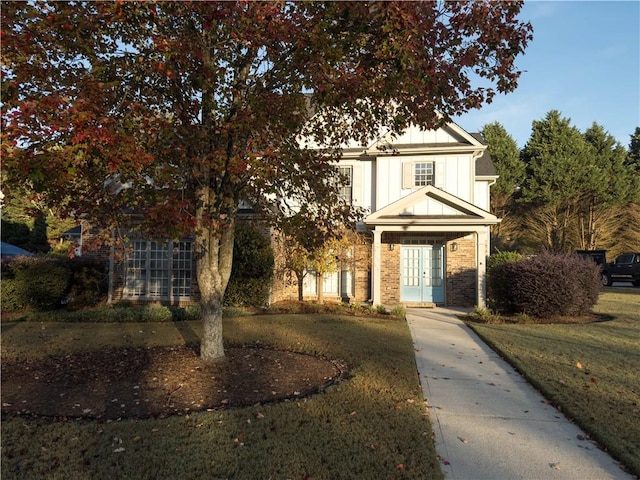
625, 268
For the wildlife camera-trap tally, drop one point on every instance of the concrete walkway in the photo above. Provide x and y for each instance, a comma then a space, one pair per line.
489, 422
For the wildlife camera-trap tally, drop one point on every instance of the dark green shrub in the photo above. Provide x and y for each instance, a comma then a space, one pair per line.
252, 292
44, 283
498, 279
11, 300
88, 283
548, 285
41, 283
252, 273
120, 314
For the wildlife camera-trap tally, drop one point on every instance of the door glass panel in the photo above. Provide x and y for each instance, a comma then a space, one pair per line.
427, 267
436, 267
411, 267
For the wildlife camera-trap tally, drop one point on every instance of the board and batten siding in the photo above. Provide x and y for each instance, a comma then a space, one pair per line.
453, 174
482, 195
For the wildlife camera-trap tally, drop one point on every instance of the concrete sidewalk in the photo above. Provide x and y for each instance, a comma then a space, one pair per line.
489, 422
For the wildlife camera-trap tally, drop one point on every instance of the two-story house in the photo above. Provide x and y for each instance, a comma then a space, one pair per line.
426, 235
427, 194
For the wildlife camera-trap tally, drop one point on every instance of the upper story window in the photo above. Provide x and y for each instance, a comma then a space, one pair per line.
418, 174
423, 174
346, 183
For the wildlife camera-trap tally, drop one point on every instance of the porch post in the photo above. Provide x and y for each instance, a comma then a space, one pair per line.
375, 267
482, 240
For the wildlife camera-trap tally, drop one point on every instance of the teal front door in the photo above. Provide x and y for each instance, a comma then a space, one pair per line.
422, 274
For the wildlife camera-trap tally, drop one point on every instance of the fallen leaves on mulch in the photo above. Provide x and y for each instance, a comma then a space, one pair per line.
158, 382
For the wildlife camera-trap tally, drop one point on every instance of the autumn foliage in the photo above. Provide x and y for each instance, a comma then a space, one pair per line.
179, 110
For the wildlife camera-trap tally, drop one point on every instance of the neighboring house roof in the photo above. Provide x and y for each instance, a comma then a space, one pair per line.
73, 232
7, 250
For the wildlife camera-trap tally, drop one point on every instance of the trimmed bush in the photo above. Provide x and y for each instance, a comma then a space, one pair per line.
549, 285
10, 295
253, 292
121, 313
498, 280
45, 283
252, 273
34, 282
89, 283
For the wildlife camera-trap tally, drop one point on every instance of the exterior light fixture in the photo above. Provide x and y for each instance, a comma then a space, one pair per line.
454, 247
391, 247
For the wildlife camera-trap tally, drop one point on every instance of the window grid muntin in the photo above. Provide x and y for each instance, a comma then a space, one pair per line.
436, 267
159, 270
411, 267
423, 173
181, 268
346, 184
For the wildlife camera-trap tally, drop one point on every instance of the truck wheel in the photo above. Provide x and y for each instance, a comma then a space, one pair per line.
606, 280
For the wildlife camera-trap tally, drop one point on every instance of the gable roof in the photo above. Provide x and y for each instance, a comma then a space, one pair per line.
456, 211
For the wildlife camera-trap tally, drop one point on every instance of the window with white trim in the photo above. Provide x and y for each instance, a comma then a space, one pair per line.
418, 174
346, 183
159, 270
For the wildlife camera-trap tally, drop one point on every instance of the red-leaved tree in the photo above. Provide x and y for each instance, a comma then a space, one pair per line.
179, 110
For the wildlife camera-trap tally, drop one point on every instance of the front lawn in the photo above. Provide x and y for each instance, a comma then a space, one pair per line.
589, 371
373, 425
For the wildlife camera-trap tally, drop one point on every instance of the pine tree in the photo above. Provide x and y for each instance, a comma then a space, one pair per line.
511, 169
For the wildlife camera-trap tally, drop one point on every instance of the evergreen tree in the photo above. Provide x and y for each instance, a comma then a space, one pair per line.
559, 168
511, 169
633, 157
38, 238
599, 208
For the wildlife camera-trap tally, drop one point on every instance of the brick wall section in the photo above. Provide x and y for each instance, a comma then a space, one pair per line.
285, 283
460, 288
389, 274
460, 270
362, 277
460, 284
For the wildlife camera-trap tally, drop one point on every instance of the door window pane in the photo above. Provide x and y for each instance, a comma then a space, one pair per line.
411, 267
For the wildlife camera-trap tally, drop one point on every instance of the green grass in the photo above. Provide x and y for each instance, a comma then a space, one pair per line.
590, 371
374, 425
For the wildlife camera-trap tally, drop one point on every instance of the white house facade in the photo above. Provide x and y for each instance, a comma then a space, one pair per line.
428, 221
425, 236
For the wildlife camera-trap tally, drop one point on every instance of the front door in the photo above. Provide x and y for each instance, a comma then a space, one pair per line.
422, 274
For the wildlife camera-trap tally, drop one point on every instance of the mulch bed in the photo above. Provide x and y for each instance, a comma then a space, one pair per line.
158, 382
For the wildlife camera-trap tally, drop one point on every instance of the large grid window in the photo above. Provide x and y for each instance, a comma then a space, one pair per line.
159, 270
423, 174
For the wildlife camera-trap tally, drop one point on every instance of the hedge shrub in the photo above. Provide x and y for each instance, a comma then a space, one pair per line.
120, 313
45, 283
252, 273
547, 285
88, 284
498, 297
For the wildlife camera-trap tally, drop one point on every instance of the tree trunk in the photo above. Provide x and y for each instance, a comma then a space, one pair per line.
300, 277
320, 285
211, 346
214, 256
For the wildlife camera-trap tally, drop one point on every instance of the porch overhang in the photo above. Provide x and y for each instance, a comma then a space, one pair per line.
463, 218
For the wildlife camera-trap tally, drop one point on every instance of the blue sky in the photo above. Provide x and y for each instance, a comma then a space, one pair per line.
584, 61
